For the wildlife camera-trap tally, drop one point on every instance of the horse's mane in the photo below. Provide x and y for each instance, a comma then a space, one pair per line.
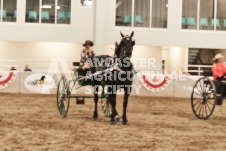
117, 49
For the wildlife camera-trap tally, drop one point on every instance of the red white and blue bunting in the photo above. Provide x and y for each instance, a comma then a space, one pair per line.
155, 83
7, 78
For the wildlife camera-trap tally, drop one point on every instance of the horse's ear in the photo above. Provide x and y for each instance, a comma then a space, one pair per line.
116, 44
122, 34
132, 34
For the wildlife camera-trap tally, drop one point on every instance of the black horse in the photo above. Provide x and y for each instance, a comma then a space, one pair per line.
116, 73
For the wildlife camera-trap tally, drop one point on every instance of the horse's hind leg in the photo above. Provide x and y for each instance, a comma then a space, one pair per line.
95, 114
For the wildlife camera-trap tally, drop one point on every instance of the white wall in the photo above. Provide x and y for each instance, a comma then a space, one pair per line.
40, 51
177, 56
141, 52
98, 24
34, 53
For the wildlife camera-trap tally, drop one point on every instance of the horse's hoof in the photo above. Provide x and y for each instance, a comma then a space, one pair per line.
117, 119
112, 122
125, 123
95, 118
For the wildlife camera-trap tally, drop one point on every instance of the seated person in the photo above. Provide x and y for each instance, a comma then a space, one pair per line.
13, 68
218, 68
86, 55
219, 72
27, 68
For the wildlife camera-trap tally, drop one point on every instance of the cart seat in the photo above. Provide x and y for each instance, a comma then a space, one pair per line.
223, 82
78, 72
81, 74
76, 64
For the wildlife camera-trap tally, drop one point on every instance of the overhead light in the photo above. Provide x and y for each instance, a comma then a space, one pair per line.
57, 7
87, 3
167, 5
46, 6
118, 4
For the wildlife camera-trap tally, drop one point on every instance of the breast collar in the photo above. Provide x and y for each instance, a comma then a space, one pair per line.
116, 66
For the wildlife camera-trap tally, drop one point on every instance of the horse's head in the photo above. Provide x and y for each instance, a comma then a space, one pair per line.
42, 78
125, 48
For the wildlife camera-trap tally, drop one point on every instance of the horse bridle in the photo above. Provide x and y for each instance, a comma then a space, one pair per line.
124, 47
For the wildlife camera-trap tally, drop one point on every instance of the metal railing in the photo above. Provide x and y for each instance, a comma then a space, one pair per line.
43, 66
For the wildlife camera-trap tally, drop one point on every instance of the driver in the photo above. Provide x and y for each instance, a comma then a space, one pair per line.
86, 56
218, 68
219, 74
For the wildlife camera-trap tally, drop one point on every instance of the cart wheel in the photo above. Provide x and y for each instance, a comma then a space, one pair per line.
203, 98
63, 97
105, 103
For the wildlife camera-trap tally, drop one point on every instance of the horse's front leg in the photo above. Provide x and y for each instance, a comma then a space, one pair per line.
126, 96
95, 114
112, 98
117, 117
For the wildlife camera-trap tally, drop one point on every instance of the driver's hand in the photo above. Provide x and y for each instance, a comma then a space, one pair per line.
86, 67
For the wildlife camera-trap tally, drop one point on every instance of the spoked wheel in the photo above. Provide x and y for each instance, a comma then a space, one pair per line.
105, 104
63, 97
203, 98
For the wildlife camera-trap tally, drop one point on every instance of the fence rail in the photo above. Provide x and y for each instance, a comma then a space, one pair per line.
43, 66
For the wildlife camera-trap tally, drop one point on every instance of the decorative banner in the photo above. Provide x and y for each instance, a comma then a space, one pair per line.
154, 83
7, 78
39, 83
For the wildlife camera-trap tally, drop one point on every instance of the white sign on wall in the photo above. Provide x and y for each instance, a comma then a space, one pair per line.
39, 83
7, 78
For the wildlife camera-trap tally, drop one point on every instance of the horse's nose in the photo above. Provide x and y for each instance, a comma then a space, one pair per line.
128, 53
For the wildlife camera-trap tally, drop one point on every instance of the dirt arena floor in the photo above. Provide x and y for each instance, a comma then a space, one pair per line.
31, 122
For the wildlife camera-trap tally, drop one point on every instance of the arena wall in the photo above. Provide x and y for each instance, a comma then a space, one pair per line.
39, 51
179, 88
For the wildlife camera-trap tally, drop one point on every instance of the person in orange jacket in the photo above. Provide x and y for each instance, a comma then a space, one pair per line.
218, 68
219, 74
